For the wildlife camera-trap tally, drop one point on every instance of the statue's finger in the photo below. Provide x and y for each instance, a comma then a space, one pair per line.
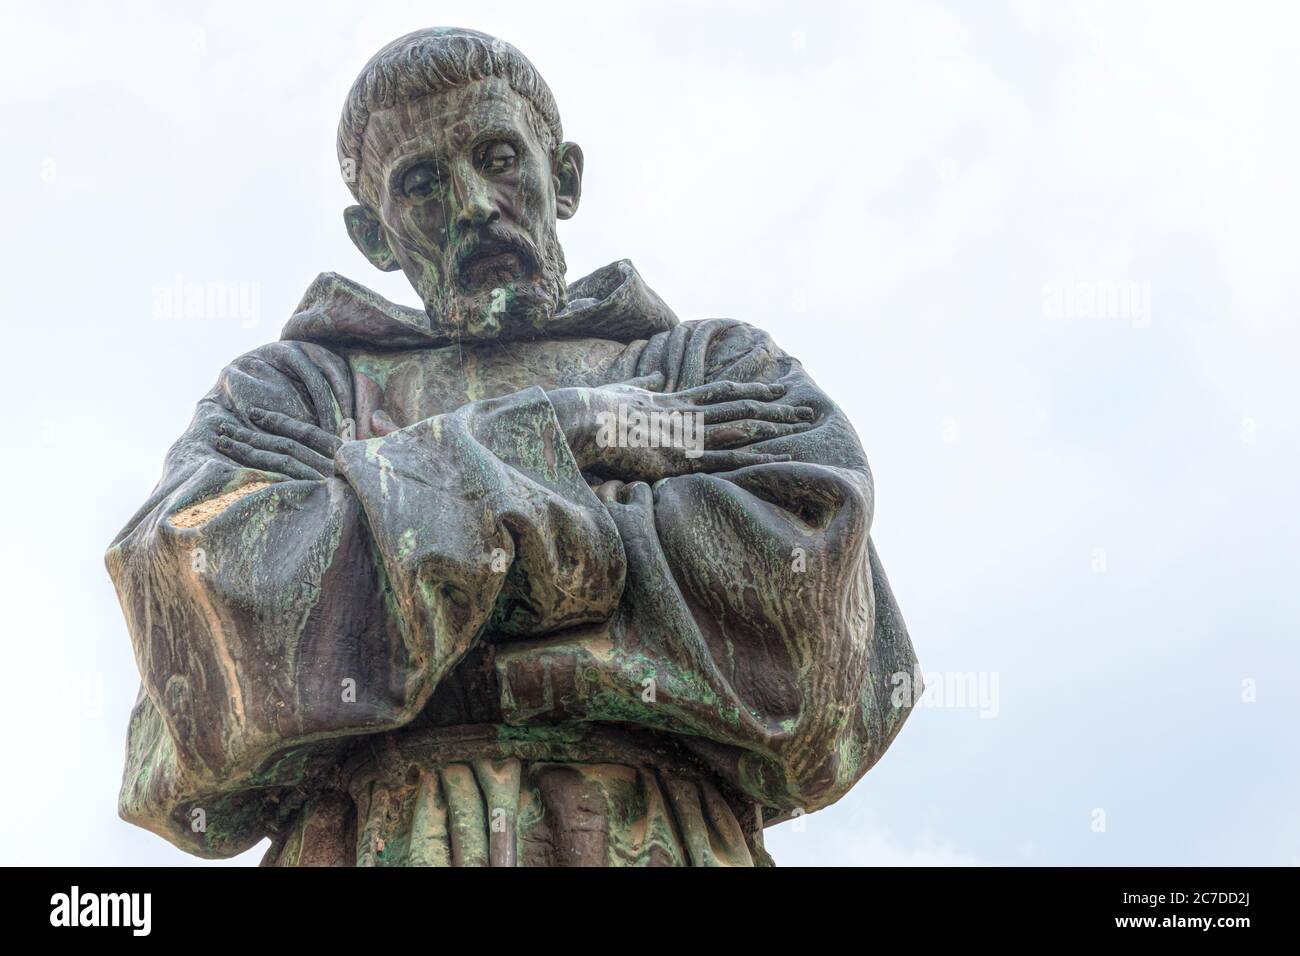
764, 411
653, 382
727, 391
742, 433
637, 493
251, 457
314, 437
264, 441
608, 490
381, 423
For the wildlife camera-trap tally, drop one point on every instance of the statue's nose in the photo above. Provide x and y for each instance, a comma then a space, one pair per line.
475, 206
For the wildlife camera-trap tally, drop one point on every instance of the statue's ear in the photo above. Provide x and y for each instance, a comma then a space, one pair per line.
368, 234
568, 179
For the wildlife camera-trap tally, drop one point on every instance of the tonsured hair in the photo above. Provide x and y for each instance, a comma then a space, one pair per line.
430, 61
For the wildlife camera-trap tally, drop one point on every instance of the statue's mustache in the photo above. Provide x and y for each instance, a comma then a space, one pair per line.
491, 241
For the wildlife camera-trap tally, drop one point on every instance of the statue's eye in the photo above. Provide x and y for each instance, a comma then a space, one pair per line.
496, 157
420, 181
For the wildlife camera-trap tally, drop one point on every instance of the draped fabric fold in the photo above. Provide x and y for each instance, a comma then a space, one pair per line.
522, 813
753, 601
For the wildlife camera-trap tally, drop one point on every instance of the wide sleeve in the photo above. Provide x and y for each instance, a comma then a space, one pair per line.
756, 623
274, 619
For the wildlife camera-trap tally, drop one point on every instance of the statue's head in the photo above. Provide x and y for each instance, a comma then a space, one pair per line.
451, 144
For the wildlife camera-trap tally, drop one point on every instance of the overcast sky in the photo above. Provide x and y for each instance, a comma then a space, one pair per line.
1044, 255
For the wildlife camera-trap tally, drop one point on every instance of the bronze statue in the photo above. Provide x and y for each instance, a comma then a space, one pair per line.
538, 575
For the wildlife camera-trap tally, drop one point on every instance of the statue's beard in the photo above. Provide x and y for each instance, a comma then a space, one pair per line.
498, 283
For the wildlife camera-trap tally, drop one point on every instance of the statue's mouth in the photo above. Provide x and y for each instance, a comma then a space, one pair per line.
490, 264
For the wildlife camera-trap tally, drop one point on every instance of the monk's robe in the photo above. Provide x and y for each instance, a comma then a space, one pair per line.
455, 652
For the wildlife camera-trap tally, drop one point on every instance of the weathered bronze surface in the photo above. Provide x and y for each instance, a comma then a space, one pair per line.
538, 575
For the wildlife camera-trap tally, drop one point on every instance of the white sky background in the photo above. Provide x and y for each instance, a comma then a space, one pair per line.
894, 191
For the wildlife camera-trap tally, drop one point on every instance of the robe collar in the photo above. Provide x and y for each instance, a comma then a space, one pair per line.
611, 303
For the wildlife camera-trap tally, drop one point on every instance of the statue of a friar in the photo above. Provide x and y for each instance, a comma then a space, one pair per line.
535, 575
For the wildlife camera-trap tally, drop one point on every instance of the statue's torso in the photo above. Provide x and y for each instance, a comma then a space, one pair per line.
458, 787
419, 383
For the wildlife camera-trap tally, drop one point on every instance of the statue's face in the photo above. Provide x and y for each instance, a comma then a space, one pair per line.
466, 197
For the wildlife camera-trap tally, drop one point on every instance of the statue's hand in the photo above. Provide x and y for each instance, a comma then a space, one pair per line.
282, 445
727, 416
